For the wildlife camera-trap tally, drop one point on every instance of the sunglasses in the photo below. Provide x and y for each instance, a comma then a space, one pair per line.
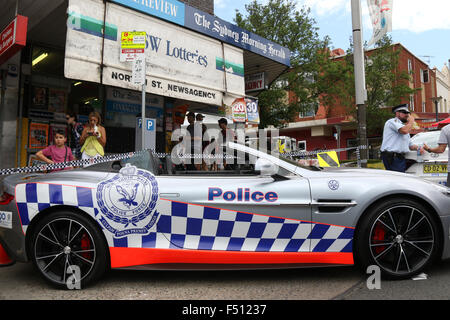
404, 112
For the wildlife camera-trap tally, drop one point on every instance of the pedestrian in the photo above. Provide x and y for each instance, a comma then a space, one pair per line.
75, 129
204, 138
396, 139
57, 152
226, 135
93, 138
443, 142
195, 141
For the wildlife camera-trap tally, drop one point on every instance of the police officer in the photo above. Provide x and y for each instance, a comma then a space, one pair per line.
396, 139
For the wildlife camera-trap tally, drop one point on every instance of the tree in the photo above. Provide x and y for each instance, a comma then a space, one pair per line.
386, 84
280, 22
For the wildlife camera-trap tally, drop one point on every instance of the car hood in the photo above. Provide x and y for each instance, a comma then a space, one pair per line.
360, 172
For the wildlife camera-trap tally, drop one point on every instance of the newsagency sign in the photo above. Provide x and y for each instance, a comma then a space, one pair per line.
180, 63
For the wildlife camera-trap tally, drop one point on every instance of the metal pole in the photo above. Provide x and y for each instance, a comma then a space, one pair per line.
437, 111
143, 115
2, 107
360, 80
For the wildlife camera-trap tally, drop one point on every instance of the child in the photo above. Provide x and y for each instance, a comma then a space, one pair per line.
58, 152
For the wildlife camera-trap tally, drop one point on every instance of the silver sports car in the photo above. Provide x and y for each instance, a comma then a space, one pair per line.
258, 212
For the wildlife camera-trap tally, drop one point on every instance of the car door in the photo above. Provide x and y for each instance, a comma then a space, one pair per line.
214, 211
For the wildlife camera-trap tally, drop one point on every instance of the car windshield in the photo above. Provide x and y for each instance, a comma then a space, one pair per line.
142, 160
430, 138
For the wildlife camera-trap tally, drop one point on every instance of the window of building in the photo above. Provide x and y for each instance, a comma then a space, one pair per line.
423, 107
424, 76
302, 145
411, 102
410, 66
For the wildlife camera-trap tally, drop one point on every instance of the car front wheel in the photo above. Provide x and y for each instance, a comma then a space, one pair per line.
400, 237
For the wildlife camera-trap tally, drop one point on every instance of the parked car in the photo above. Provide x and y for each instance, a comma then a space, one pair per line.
74, 225
429, 166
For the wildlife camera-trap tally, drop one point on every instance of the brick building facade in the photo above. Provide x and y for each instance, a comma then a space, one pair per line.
204, 5
331, 128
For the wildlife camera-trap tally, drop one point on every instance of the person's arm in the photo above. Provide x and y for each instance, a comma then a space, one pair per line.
408, 126
439, 149
102, 138
40, 155
84, 136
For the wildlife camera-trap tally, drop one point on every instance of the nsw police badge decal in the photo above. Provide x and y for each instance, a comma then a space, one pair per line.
127, 202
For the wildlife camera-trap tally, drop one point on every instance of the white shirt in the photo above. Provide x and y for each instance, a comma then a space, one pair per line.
394, 141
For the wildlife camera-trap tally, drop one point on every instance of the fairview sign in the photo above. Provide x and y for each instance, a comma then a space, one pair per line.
13, 38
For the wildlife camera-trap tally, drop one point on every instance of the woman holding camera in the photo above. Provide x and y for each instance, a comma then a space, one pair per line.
93, 138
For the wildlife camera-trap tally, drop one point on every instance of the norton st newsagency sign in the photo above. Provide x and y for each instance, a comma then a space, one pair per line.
180, 63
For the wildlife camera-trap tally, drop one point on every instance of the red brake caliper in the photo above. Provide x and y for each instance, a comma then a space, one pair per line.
379, 236
86, 244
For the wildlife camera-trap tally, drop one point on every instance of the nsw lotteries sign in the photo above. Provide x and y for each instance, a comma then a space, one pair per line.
179, 63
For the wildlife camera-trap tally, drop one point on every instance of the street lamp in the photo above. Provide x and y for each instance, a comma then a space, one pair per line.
436, 101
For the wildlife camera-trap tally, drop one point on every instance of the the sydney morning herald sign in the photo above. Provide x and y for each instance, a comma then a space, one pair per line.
202, 22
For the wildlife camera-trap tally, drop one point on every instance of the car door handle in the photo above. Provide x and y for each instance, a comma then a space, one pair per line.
169, 195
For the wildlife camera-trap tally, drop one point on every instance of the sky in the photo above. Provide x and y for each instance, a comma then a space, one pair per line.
422, 27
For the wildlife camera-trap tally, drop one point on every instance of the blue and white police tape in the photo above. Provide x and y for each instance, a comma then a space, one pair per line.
68, 164
161, 155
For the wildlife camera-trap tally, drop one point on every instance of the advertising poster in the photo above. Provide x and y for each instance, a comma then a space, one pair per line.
252, 111
40, 98
38, 136
57, 100
239, 110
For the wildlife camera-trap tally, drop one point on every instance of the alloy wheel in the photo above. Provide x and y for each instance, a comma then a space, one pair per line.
402, 240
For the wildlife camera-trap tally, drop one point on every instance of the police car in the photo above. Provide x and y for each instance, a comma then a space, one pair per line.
259, 212
429, 166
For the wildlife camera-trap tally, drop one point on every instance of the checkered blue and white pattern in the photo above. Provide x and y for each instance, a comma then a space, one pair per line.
204, 228
32, 198
197, 227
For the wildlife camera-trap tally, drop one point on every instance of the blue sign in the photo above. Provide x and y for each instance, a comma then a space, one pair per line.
150, 125
224, 31
170, 10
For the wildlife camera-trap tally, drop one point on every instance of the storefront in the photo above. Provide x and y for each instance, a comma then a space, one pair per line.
72, 63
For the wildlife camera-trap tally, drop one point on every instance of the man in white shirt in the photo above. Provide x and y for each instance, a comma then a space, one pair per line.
443, 142
396, 139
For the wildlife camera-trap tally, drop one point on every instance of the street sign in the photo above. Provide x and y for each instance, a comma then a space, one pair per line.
132, 44
328, 159
138, 74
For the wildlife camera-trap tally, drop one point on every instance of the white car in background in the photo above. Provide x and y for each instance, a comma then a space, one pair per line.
430, 166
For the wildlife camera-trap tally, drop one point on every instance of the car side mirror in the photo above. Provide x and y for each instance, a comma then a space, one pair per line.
266, 167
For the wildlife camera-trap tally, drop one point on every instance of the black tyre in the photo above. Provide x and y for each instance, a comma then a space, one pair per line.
400, 236
68, 250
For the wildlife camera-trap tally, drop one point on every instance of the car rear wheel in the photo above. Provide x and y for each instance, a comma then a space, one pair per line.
401, 237
68, 250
